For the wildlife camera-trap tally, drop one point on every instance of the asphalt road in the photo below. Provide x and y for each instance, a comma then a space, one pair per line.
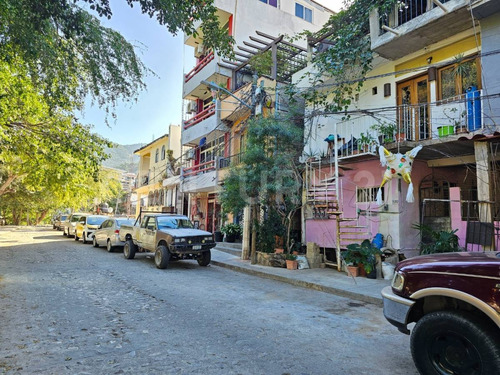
69, 308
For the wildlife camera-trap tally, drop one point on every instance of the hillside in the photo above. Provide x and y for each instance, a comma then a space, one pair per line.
122, 157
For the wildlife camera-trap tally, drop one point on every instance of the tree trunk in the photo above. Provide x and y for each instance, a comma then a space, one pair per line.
41, 217
16, 217
253, 248
4, 189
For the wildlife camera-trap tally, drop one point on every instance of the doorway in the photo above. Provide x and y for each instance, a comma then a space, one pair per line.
413, 109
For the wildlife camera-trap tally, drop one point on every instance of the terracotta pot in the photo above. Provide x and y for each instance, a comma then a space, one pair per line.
279, 251
353, 271
291, 264
295, 252
400, 137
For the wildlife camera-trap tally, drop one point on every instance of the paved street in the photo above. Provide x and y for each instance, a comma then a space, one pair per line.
69, 308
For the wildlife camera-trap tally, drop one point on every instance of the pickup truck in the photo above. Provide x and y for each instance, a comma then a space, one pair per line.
169, 237
454, 299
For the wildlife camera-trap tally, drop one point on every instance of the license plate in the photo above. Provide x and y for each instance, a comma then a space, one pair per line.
197, 247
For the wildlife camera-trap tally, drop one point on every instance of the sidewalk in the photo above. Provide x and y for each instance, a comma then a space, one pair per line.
323, 279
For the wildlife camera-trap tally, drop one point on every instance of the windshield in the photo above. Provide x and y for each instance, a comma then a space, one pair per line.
64, 217
120, 222
173, 223
75, 218
96, 220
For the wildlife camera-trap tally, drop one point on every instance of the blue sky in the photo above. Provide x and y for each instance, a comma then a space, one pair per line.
161, 103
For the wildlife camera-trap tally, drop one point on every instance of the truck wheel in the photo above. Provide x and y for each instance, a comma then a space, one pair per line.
109, 247
129, 249
64, 233
84, 239
162, 256
204, 258
454, 342
94, 242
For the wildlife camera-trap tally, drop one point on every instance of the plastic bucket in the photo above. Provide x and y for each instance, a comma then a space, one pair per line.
388, 270
443, 131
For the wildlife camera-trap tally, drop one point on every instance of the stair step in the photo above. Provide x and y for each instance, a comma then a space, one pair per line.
351, 239
354, 233
354, 226
348, 219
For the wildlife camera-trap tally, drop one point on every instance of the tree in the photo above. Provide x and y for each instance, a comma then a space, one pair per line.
269, 173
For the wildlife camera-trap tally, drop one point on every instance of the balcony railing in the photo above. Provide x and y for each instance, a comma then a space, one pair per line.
199, 117
407, 10
410, 123
226, 162
201, 64
199, 168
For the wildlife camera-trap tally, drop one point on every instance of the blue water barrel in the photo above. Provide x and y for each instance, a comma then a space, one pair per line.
473, 108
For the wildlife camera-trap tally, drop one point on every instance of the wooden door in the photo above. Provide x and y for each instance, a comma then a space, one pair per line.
413, 109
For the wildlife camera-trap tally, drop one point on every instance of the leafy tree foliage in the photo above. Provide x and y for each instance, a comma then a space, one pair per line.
269, 173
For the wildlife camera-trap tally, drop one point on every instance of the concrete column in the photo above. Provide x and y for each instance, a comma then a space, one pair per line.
245, 254
483, 183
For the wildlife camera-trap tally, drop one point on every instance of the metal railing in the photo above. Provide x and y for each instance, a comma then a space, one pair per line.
199, 117
199, 168
225, 162
201, 64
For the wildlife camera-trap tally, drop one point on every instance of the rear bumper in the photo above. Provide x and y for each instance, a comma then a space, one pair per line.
397, 309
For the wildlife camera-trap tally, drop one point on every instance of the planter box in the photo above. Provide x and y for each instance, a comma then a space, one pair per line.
352, 271
291, 264
443, 131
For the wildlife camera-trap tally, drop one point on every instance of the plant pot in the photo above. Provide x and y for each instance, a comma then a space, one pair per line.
352, 271
279, 251
295, 252
372, 274
400, 137
218, 236
230, 237
461, 130
444, 131
291, 264
362, 271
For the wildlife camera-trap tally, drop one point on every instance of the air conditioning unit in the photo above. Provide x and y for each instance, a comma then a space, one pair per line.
190, 154
200, 49
192, 107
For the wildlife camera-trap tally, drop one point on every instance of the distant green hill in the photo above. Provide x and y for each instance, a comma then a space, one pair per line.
122, 157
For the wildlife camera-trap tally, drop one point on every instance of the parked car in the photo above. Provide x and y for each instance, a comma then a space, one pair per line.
108, 233
59, 221
70, 223
87, 225
169, 237
454, 299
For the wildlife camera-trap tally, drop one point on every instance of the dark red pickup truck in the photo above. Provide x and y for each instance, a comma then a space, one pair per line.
454, 299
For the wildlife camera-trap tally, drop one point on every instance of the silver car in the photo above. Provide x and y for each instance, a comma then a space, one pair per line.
107, 233
70, 223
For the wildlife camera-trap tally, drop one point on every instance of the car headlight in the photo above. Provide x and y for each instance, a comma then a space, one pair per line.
398, 281
179, 240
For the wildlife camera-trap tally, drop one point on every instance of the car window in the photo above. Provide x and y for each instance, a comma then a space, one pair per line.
64, 217
151, 224
173, 223
83, 219
105, 223
95, 220
120, 222
75, 218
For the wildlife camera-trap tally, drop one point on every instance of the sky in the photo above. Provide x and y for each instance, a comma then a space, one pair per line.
160, 104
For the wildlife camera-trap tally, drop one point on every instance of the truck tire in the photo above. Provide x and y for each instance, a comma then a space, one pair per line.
64, 232
162, 257
455, 342
129, 249
84, 239
204, 258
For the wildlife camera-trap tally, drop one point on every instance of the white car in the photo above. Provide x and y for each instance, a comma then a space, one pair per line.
87, 225
107, 234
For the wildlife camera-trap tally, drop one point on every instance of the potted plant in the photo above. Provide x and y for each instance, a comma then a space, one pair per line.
365, 142
291, 262
363, 255
231, 231
218, 236
433, 241
386, 130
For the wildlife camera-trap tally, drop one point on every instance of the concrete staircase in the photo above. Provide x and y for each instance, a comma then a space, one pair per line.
230, 248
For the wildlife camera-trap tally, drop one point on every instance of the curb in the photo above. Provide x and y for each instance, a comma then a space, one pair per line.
303, 284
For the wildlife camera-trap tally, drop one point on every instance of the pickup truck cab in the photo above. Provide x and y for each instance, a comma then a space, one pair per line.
169, 237
454, 299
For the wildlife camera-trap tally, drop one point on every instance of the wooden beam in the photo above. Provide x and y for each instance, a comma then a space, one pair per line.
258, 40
450, 162
248, 50
253, 46
242, 54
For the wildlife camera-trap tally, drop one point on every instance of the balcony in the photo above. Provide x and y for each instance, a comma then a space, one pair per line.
411, 124
200, 178
207, 69
200, 124
416, 24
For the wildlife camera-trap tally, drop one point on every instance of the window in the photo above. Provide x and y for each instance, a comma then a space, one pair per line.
368, 195
273, 3
157, 154
303, 12
212, 149
162, 152
455, 79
